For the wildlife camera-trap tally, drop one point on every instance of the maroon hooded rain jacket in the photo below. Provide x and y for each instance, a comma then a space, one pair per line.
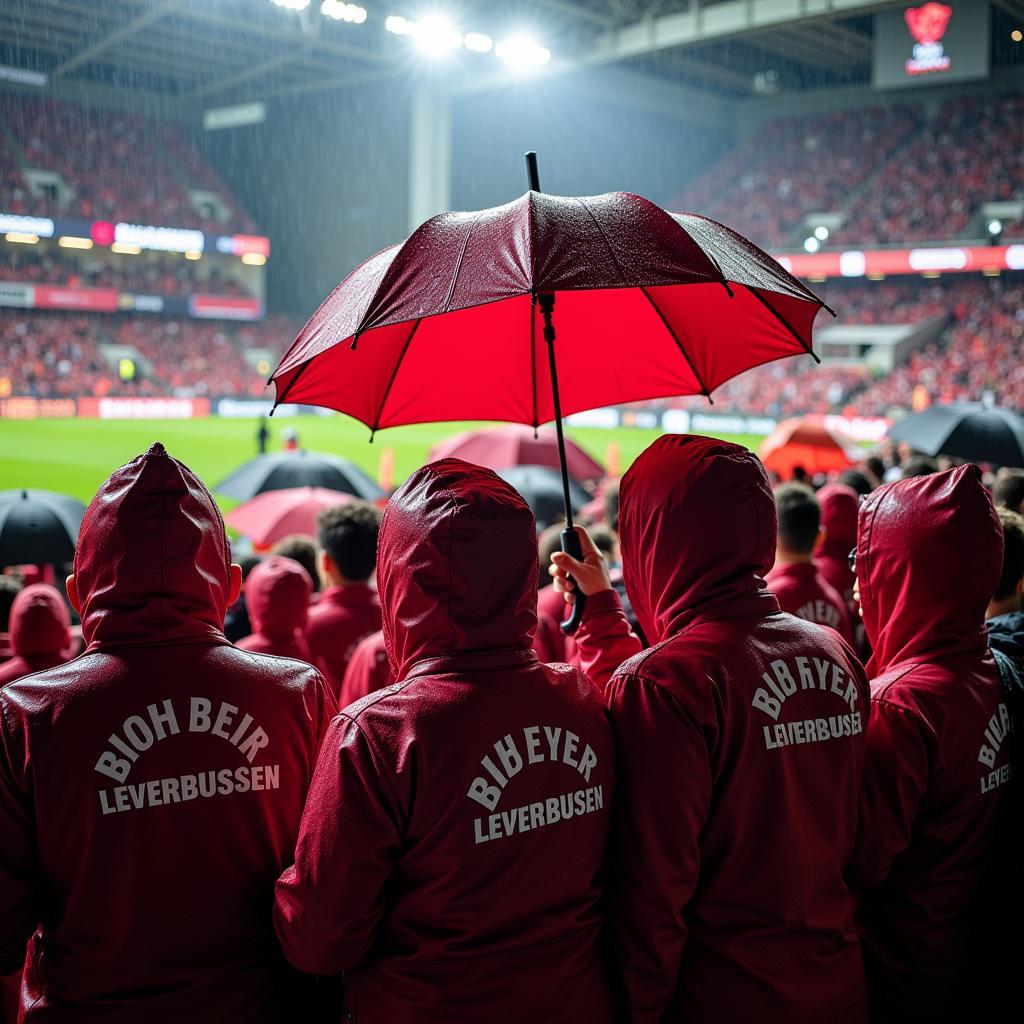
277, 596
450, 852
40, 632
740, 738
151, 790
929, 556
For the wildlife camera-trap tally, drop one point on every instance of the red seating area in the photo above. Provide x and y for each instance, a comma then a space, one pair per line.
169, 275
120, 166
795, 166
972, 153
978, 352
899, 177
51, 355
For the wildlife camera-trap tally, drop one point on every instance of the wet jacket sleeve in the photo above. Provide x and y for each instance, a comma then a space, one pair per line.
604, 639
20, 879
655, 857
896, 769
328, 903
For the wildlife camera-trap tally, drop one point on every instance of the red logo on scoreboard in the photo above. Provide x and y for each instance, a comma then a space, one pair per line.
928, 25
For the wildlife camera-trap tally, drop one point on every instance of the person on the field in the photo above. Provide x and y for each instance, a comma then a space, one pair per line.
450, 855
740, 744
150, 790
794, 579
277, 599
348, 609
929, 556
40, 632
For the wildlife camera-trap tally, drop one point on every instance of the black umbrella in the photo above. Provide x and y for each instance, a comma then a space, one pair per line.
542, 489
964, 430
278, 470
38, 527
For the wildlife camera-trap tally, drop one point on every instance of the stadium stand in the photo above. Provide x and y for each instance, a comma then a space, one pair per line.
938, 174
116, 166
792, 167
971, 153
55, 355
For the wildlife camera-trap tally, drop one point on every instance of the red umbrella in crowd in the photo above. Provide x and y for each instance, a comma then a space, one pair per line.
808, 444
460, 320
274, 515
516, 445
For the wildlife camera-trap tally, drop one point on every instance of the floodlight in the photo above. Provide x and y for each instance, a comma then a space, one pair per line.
435, 35
521, 53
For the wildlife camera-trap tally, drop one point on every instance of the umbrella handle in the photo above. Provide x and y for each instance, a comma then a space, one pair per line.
571, 546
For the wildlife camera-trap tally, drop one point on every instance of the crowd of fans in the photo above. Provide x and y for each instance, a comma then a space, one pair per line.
975, 357
153, 274
843, 719
119, 166
937, 173
48, 355
794, 166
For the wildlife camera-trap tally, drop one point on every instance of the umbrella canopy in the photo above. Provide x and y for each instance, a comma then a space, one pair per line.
274, 515
965, 431
447, 325
541, 488
38, 527
281, 470
515, 445
808, 444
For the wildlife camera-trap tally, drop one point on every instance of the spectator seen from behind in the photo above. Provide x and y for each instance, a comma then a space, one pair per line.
740, 740
929, 557
40, 632
150, 790
348, 609
795, 580
451, 853
277, 599
1005, 619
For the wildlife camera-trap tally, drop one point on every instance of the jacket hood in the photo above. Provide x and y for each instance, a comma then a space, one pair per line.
40, 623
840, 506
277, 596
152, 563
456, 565
697, 530
929, 556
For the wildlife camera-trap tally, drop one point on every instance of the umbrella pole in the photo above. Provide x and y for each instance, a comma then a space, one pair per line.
570, 538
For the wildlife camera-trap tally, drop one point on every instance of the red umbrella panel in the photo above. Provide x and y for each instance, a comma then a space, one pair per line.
516, 445
447, 324
807, 444
274, 515
460, 321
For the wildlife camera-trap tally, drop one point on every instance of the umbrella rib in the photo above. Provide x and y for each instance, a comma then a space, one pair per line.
689, 362
284, 394
782, 320
391, 381
458, 266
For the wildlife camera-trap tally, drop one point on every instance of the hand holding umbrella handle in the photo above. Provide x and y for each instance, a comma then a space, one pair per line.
571, 546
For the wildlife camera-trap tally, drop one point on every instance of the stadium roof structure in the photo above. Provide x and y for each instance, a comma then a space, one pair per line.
229, 51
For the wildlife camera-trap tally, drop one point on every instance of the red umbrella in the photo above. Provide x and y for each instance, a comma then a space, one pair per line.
458, 321
516, 445
809, 444
273, 515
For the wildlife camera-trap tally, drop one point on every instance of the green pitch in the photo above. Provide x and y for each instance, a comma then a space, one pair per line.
76, 456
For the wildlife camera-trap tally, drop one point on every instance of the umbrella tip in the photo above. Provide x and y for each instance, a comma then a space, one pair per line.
156, 448
24, 494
